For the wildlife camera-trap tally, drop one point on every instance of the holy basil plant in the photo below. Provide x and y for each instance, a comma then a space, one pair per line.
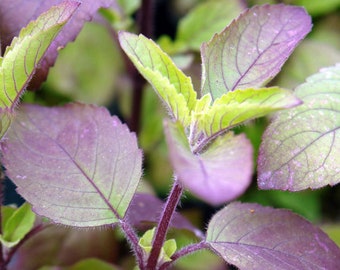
79, 166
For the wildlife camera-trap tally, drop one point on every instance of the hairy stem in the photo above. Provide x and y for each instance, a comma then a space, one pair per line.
133, 240
183, 252
164, 224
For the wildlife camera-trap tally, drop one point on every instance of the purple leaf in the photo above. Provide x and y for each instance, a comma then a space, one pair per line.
252, 49
251, 236
219, 174
68, 246
301, 147
15, 14
75, 164
146, 209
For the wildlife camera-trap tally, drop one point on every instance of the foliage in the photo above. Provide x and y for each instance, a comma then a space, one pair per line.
77, 165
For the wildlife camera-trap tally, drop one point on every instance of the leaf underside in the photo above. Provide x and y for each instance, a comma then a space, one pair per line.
301, 147
252, 49
219, 174
75, 164
252, 237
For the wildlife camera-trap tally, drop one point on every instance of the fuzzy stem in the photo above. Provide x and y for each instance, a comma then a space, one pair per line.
183, 252
133, 240
164, 224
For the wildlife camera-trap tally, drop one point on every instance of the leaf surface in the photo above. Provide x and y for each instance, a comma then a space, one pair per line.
171, 84
301, 147
252, 49
251, 237
219, 174
238, 106
23, 56
15, 14
75, 164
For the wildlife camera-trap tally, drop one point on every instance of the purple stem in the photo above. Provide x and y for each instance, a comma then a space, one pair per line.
133, 239
164, 224
183, 252
145, 18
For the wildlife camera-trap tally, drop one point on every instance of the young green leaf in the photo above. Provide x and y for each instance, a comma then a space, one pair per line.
252, 237
168, 249
75, 164
17, 225
252, 49
199, 25
238, 106
16, 14
301, 147
23, 56
174, 88
21, 59
219, 174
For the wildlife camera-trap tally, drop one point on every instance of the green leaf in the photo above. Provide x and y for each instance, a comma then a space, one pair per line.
317, 8
23, 56
168, 249
303, 62
20, 60
129, 6
174, 88
252, 49
87, 264
199, 26
79, 74
18, 224
301, 147
238, 106
90, 264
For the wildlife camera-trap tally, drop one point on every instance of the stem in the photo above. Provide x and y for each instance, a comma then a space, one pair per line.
183, 252
133, 239
145, 22
164, 224
2, 179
